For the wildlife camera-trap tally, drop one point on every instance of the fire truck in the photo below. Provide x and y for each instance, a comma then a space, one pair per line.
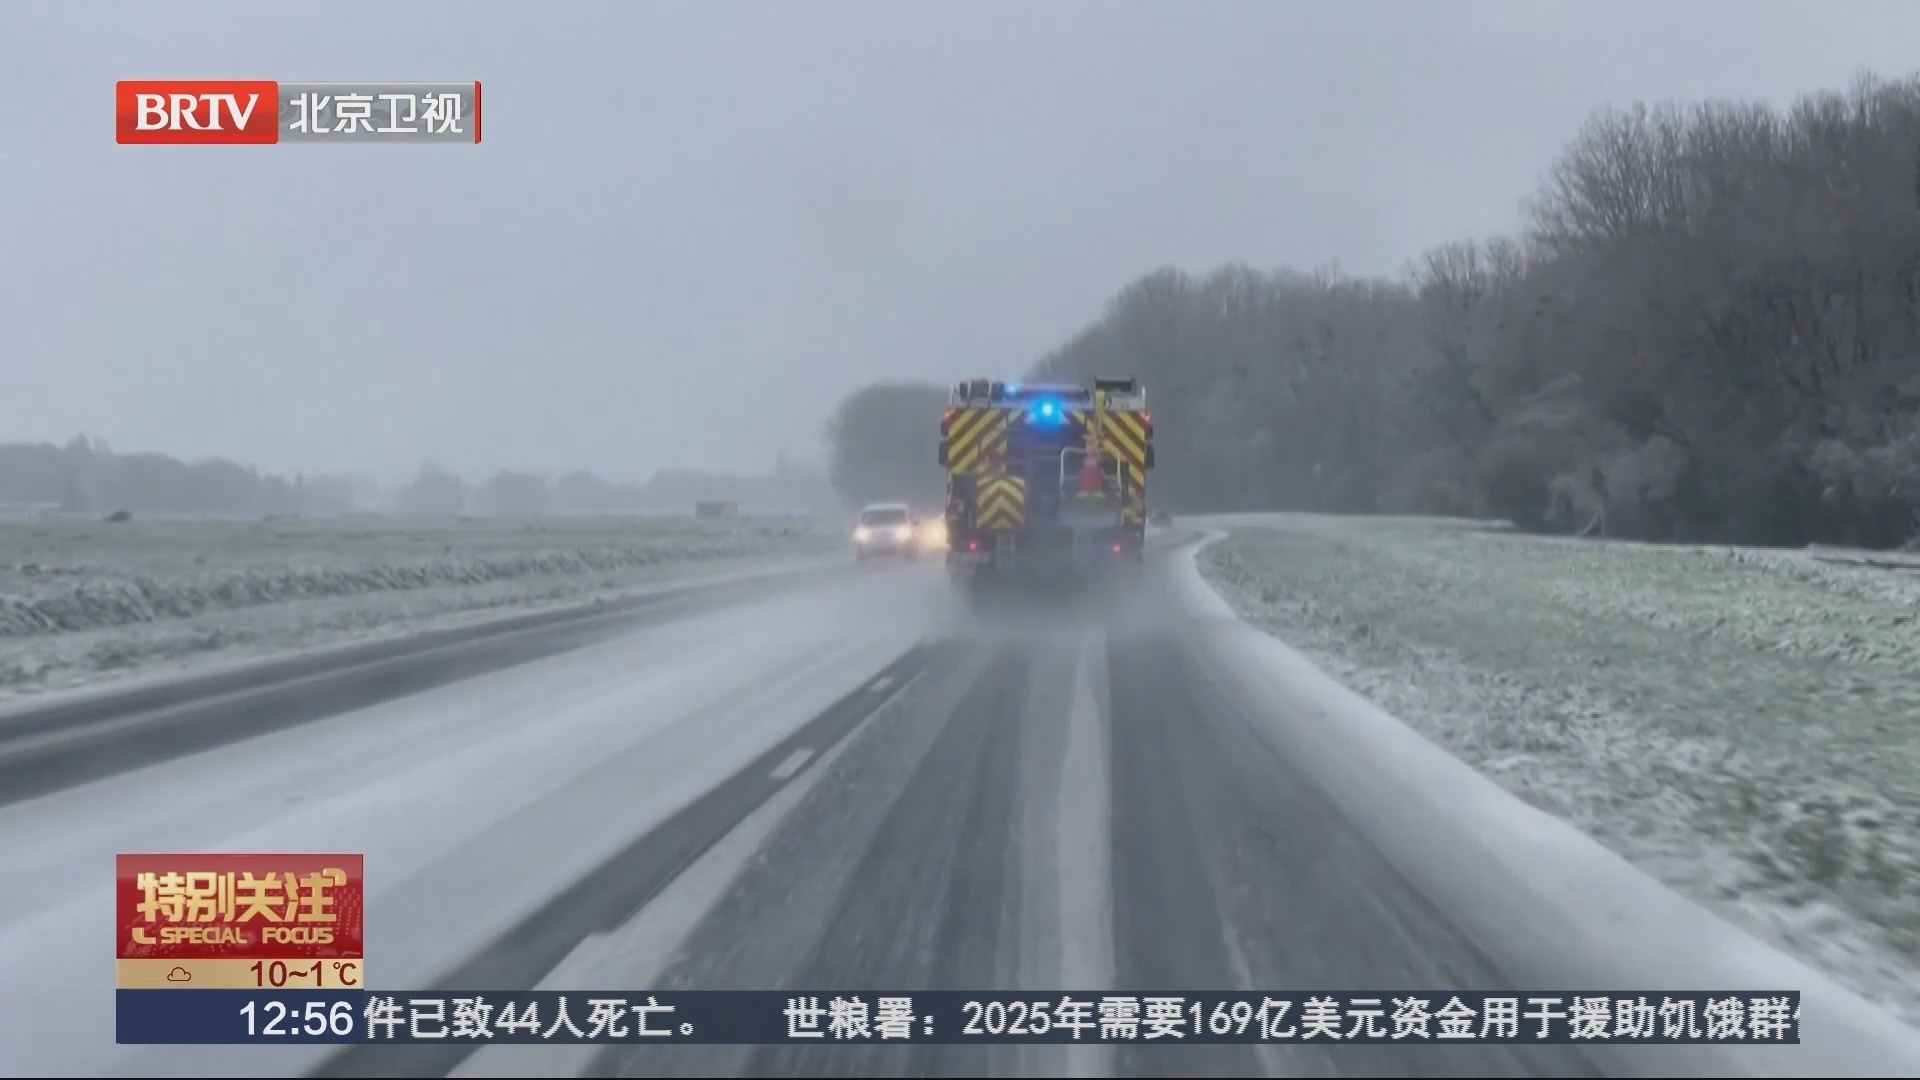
1047, 480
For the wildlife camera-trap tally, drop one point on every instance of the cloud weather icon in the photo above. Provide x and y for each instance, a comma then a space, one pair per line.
179, 974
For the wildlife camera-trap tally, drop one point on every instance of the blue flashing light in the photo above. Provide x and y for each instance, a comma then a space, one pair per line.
1047, 411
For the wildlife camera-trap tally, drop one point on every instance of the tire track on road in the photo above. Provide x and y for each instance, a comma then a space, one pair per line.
606, 898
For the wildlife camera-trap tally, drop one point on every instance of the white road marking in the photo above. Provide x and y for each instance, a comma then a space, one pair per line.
881, 683
1081, 847
638, 952
792, 764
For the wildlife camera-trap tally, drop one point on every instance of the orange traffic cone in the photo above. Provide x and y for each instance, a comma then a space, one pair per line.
1091, 482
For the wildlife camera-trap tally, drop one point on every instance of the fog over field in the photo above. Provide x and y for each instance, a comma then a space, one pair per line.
693, 229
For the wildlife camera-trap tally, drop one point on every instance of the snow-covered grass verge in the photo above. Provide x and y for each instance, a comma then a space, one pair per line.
83, 602
1744, 725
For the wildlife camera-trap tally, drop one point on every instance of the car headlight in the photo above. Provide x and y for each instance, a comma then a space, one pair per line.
862, 534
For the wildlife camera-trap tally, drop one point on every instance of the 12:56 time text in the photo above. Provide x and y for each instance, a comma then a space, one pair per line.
318, 1018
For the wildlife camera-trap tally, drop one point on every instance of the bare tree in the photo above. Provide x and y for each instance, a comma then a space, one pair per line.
1709, 330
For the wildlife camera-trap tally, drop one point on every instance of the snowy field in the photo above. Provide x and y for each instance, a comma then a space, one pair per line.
1744, 725
86, 601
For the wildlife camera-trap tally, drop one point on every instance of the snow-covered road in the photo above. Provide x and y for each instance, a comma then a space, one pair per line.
473, 804
858, 783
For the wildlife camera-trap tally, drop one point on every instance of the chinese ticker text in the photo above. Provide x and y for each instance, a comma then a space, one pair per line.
946, 1017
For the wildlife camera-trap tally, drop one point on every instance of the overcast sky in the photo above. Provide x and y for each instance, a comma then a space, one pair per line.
693, 226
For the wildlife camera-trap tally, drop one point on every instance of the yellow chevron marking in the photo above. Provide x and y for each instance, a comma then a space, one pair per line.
999, 516
974, 434
1003, 499
1127, 435
1002, 503
1124, 436
963, 434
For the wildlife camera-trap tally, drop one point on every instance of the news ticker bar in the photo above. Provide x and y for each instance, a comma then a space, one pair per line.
726, 1017
258, 112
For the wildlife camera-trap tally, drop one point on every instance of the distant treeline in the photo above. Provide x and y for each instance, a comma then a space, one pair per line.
884, 444
435, 491
87, 477
1708, 331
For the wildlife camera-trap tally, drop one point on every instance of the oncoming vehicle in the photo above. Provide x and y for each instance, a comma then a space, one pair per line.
932, 534
1160, 517
885, 529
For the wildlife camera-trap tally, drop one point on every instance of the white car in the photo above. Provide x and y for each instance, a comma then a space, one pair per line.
885, 529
